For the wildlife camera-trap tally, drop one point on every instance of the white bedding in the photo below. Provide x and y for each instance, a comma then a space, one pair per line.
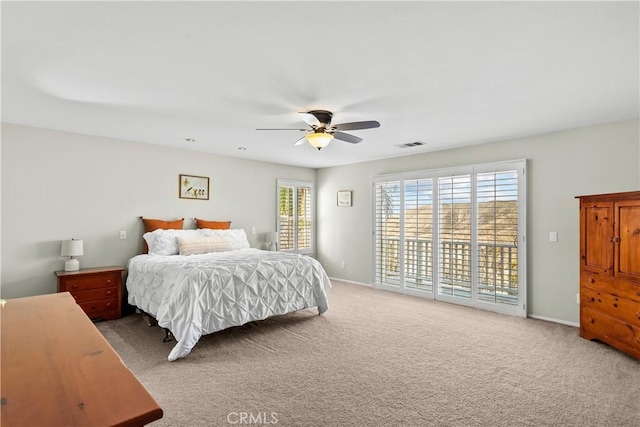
200, 294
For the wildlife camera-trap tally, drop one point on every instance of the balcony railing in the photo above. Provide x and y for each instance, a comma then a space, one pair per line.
496, 266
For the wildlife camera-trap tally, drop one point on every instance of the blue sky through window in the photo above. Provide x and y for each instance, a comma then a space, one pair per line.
498, 186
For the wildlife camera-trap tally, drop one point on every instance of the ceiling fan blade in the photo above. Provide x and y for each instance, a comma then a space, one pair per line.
369, 124
323, 118
346, 137
303, 130
301, 141
310, 119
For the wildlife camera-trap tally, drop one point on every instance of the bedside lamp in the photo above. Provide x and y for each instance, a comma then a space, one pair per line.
272, 240
72, 248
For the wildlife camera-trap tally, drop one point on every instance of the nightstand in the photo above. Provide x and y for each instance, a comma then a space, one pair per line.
98, 291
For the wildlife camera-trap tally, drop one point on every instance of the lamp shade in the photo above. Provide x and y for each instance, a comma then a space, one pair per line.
72, 248
319, 140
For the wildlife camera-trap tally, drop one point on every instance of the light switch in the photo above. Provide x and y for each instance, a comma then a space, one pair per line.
553, 236
253, 230
123, 235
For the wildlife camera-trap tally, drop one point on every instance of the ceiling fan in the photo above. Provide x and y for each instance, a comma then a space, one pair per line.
322, 132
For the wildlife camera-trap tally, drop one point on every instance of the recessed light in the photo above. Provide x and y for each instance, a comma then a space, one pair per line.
190, 140
242, 148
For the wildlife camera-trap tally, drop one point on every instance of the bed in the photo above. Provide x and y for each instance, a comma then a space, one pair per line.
197, 282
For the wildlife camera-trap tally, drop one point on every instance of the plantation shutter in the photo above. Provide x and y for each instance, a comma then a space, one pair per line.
286, 218
304, 217
418, 233
387, 233
497, 253
295, 216
454, 236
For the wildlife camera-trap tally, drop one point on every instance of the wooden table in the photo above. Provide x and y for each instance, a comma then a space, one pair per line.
58, 370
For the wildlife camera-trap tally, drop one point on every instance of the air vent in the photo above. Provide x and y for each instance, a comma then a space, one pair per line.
410, 144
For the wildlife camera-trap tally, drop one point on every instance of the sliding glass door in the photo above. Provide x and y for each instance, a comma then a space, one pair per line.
454, 235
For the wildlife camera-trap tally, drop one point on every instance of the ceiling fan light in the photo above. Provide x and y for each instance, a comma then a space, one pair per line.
319, 140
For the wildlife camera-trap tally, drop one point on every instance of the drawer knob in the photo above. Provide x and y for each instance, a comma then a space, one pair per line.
592, 280
591, 299
108, 304
108, 280
74, 286
108, 292
591, 320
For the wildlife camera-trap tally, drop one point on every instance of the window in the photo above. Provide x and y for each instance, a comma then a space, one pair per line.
454, 235
418, 233
387, 233
295, 216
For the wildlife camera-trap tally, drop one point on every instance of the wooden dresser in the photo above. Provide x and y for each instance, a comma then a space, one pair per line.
610, 270
97, 290
58, 370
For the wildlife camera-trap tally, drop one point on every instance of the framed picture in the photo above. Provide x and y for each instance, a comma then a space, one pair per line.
193, 187
344, 198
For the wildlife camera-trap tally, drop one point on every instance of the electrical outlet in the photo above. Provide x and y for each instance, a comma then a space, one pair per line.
253, 230
123, 235
344, 264
553, 236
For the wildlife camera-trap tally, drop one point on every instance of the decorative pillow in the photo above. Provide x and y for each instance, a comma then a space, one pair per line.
214, 225
203, 245
164, 242
155, 224
236, 236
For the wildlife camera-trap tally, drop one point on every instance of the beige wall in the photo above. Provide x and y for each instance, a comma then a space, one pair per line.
59, 185
561, 166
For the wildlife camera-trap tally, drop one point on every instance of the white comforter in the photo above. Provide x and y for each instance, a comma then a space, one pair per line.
200, 294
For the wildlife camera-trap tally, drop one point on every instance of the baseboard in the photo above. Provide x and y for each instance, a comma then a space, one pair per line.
337, 279
550, 319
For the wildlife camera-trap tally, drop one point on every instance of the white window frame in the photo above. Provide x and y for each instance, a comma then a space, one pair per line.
520, 309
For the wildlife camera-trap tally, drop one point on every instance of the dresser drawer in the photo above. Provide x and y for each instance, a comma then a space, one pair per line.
80, 283
611, 286
98, 290
621, 308
598, 325
95, 294
95, 309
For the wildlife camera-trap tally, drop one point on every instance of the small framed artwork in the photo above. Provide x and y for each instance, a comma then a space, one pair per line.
193, 187
344, 198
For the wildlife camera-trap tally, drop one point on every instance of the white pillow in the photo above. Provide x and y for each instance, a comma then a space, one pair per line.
203, 245
236, 236
164, 242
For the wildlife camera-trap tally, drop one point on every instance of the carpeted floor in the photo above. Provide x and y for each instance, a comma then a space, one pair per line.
382, 359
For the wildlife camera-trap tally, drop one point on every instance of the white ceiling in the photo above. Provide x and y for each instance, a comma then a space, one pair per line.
449, 74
